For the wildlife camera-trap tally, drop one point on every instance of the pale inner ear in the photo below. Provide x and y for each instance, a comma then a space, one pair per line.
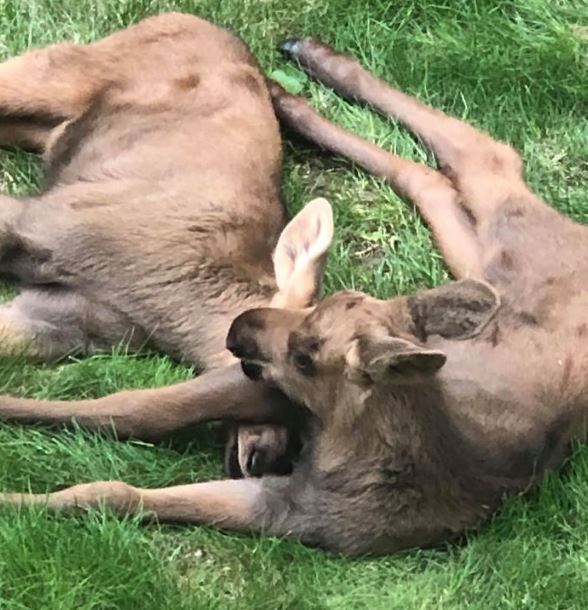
301, 253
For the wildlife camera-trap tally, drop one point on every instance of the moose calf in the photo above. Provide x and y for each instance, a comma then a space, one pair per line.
423, 411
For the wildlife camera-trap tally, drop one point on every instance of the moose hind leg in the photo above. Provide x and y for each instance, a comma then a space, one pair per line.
432, 192
48, 324
484, 171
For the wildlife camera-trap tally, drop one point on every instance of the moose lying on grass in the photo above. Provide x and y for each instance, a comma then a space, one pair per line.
420, 413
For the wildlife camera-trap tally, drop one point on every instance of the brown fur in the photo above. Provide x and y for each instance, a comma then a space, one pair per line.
159, 164
160, 208
423, 410
430, 408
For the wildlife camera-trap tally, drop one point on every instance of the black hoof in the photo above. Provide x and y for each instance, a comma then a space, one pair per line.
256, 463
290, 46
232, 466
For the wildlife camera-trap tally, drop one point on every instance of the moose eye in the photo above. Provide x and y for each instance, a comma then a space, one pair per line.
303, 362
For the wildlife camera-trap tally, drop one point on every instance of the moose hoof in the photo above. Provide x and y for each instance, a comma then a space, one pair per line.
290, 46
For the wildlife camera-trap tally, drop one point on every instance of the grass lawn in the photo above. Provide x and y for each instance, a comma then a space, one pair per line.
519, 69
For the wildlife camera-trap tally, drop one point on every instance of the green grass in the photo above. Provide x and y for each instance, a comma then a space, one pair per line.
516, 68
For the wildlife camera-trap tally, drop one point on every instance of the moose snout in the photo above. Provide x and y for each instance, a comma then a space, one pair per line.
259, 338
242, 338
261, 335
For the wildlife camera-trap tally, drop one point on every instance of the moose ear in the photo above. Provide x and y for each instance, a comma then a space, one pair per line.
455, 311
301, 254
389, 359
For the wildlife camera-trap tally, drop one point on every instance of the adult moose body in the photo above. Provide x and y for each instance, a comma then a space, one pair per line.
426, 409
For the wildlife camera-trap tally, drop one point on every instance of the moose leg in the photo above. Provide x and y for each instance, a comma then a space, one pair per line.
231, 504
432, 192
42, 89
484, 171
48, 324
155, 413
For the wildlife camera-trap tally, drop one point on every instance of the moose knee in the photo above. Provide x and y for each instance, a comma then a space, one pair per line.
116, 495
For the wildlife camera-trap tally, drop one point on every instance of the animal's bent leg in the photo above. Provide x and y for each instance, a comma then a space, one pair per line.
432, 193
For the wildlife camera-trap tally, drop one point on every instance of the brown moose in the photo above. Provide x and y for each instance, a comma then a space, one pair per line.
423, 410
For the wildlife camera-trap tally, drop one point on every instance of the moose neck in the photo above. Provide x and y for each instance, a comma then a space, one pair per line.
408, 429
414, 419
